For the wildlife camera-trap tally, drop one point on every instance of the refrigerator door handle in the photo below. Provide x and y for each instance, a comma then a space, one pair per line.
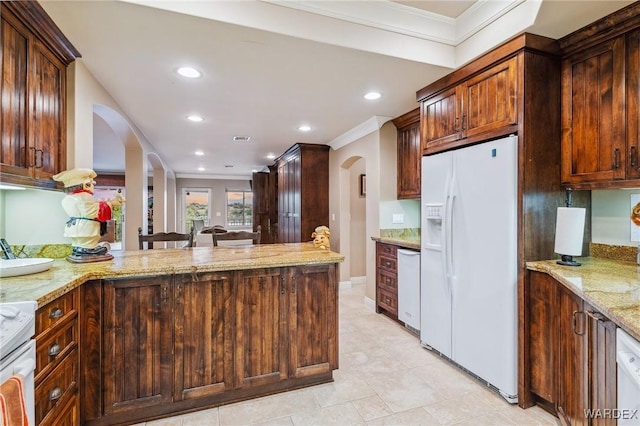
447, 241
450, 247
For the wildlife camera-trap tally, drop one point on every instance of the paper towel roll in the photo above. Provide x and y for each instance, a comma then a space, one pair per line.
569, 230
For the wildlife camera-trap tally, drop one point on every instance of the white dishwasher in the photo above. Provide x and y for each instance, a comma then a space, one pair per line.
409, 288
628, 358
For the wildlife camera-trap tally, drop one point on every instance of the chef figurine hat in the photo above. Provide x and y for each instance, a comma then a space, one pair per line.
75, 177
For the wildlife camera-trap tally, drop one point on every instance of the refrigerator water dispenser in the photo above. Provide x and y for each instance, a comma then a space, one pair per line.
432, 235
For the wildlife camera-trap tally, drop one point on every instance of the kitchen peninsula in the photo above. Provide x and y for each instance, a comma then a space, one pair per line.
159, 332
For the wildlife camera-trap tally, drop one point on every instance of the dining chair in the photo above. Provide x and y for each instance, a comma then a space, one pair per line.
164, 237
237, 235
198, 224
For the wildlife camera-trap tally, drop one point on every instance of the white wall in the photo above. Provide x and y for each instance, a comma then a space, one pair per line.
358, 224
32, 217
610, 212
409, 209
378, 149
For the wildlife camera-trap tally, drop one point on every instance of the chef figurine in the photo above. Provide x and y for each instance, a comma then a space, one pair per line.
86, 214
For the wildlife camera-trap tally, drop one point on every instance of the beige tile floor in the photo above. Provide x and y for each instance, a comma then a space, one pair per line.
385, 378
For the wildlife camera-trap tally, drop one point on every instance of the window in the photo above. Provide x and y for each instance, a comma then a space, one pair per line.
239, 209
196, 206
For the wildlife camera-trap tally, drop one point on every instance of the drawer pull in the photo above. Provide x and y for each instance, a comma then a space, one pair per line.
55, 394
54, 349
56, 313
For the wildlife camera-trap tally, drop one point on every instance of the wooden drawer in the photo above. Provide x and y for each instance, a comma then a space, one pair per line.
53, 347
387, 263
57, 387
388, 301
66, 414
388, 250
53, 313
388, 281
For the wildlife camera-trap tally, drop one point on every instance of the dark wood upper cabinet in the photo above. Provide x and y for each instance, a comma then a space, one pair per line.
593, 133
600, 102
409, 155
35, 55
477, 108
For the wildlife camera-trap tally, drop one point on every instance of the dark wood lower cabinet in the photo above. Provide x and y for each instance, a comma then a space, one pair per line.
313, 315
573, 380
570, 354
260, 328
154, 346
137, 337
203, 335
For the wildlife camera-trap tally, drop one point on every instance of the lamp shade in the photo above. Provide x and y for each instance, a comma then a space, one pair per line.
569, 230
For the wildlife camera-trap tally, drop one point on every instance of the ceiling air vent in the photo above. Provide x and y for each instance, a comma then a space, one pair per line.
241, 138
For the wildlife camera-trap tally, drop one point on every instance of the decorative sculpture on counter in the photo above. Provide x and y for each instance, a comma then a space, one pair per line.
87, 216
321, 237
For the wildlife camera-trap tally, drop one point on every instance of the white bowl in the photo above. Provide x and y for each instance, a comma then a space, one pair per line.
16, 267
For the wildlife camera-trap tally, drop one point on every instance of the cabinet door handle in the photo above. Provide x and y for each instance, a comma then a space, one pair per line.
464, 118
616, 158
575, 323
55, 394
56, 313
178, 293
596, 316
164, 296
456, 129
41, 156
54, 349
633, 156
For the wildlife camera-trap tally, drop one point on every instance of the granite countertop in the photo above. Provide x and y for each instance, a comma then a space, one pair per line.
64, 276
411, 242
610, 286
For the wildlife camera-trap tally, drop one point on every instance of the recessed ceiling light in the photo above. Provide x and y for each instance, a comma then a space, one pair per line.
271, 156
372, 96
304, 128
241, 138
201, 169
199, 153
189, 72
195, 118
228, 166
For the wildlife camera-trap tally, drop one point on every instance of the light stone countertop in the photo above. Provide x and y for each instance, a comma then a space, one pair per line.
610, 286
412, 242
64, 276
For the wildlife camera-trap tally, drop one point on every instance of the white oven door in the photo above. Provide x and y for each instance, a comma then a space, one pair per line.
22, 361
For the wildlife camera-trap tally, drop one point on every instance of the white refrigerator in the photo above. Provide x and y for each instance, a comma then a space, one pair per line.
468, 302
